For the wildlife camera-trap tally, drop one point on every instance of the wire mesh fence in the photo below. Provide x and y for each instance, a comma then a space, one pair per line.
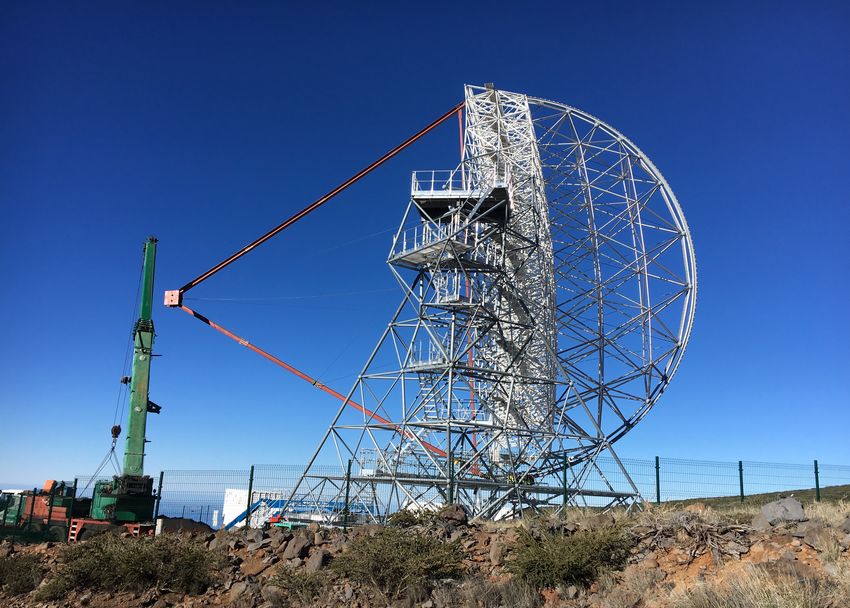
236, 497
221, 498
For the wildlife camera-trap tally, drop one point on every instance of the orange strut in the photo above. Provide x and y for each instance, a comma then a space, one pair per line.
372, 415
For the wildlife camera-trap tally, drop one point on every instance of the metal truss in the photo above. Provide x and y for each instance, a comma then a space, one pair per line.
549, 286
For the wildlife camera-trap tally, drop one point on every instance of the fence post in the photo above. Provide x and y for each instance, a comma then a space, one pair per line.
32, 508
566, 466
817, 482
657, 480
250, 491
741, 477
45, 533
158, 495
347, 494
18, 516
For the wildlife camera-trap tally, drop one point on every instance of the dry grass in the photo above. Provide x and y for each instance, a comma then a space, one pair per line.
754, 588
483, 593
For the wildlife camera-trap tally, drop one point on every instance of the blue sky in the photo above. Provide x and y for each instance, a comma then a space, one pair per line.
205, 124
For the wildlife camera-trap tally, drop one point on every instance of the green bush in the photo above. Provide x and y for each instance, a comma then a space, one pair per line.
111, 563
398, 561
20, 573
577, 559
403, 519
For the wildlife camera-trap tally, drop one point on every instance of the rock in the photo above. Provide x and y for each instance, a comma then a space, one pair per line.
317, 560
497, 553
760, 523
297, 547
348, 592
242, 593
281, 548
253, 566
845, 542
784, 510
295, 563
572, 592
273, 594
455, 514
817, 538
482, 538
253, 535
735, 548
256, 546
319, 537
845, 527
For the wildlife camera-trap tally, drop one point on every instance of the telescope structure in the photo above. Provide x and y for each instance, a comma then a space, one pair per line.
548, 288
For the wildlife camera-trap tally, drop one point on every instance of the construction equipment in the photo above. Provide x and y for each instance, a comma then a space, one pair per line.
129, 499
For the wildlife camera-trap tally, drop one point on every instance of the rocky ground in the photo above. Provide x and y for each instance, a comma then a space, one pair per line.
672, 551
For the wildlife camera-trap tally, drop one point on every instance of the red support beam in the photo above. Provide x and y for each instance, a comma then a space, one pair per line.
370, 414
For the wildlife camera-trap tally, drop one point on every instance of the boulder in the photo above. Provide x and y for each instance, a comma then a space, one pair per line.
455, 514
818, 538
783, 511
257, 545
243, 593
253, 566
760, 523
274, 594
497, 553
297, 547
317, 560
253, 535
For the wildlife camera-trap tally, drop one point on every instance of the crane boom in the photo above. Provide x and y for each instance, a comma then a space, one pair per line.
143, 336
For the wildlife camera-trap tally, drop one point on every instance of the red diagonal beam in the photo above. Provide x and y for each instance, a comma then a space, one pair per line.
372, 415
314, 205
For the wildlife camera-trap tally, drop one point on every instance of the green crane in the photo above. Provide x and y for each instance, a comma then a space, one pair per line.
130, 497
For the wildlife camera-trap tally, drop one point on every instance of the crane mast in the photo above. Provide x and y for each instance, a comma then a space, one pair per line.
130, 496
140, 404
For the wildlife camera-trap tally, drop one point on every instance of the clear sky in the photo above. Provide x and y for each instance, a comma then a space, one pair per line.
207, 123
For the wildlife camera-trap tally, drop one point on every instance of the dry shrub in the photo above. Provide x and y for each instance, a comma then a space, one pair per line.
755, 588
20, 573
305, 586
578, 559
698, 532
112, 563
398, 561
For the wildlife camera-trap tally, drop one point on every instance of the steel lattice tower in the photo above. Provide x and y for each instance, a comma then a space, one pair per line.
549, 287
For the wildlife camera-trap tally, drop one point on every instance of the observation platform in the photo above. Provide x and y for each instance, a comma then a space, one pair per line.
439, 192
